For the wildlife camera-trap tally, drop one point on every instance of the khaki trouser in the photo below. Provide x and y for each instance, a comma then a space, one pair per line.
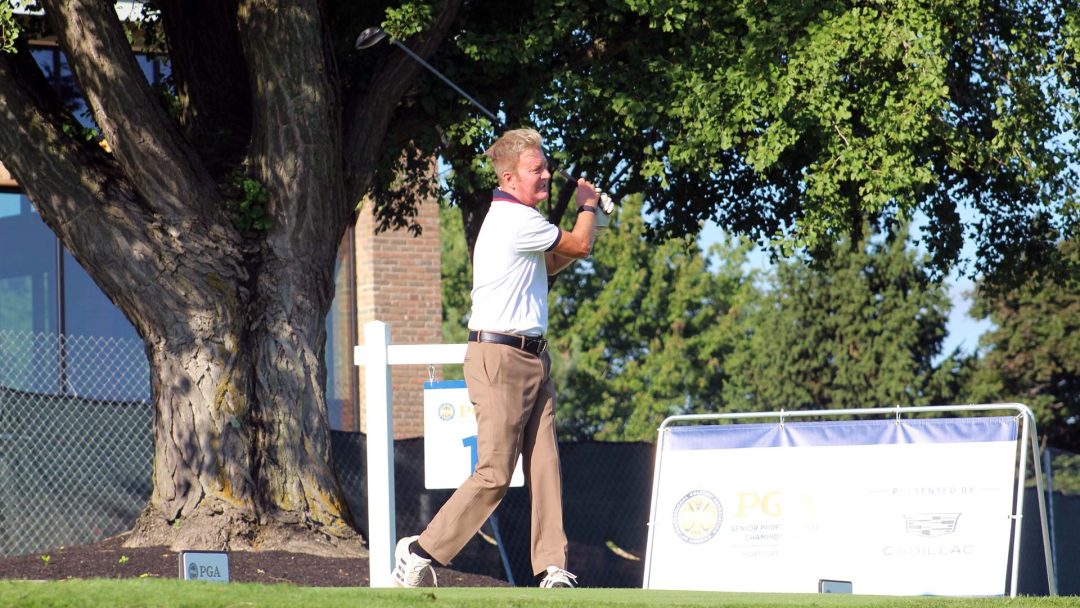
514, 399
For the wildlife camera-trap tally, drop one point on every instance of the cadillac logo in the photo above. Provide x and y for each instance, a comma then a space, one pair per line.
929, 525
697, 517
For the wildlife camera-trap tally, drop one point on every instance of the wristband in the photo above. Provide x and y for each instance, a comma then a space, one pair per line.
586, 209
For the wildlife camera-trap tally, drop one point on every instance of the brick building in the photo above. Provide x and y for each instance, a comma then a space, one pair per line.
398, 282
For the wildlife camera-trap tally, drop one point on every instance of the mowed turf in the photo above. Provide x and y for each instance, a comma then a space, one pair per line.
158, 592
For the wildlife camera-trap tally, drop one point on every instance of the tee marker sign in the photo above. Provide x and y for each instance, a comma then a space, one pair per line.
204, 566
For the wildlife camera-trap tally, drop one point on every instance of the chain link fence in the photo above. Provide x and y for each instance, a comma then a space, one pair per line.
75, 439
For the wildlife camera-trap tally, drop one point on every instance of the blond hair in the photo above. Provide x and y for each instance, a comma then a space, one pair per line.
506, 150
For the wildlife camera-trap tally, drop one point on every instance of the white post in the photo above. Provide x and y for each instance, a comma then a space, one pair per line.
382, 523
377, 355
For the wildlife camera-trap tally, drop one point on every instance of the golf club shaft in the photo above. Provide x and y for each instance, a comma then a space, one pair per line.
431, 69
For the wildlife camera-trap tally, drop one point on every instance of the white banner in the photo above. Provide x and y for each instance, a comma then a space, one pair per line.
910, 508
450, 436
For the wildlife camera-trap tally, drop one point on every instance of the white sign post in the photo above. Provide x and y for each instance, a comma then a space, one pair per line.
377, 355
380, 453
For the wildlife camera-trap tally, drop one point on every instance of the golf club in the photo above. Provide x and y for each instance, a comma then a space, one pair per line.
374, 35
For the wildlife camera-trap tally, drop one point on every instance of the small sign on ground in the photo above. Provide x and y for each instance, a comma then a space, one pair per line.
204, 566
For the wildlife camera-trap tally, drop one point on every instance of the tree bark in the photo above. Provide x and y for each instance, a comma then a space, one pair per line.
242, 458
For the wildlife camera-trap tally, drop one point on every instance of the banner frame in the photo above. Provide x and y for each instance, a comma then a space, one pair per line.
1027, 436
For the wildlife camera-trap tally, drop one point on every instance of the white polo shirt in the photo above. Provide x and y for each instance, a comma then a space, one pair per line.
510, 292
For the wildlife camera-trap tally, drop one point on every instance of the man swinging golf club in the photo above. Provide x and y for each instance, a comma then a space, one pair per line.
507, 369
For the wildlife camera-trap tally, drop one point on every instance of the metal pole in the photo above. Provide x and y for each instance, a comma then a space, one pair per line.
1048, 462
661, 435
1018, 510
1051, 578
494, 519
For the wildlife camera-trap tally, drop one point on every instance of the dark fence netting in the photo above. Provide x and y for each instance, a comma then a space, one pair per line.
606, 493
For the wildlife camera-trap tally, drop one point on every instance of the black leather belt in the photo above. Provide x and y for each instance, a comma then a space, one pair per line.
536, 346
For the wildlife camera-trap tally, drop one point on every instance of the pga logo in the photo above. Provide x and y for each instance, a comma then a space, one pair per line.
195, 571
204, 566
768, 504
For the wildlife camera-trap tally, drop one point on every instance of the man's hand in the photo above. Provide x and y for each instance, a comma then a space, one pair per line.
586, 194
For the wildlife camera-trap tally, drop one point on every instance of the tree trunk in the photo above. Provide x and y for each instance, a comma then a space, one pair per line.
241, 441
242, 438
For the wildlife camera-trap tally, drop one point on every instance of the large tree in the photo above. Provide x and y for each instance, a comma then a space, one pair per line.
212, 221
796, 122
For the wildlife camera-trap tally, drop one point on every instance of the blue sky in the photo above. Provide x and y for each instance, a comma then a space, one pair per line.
964, 331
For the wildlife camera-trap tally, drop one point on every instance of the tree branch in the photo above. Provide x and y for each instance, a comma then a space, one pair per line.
78, 189
144, 141
210, 77
69, 176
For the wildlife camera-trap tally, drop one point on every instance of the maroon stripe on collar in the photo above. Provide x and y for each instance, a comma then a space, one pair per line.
505, 197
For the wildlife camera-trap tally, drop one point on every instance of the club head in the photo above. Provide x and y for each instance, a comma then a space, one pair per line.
369, 38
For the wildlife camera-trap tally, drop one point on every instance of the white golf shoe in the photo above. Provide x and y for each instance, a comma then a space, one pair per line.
409, 567
557, 577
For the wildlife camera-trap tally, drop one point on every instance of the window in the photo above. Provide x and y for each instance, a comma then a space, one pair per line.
27, 268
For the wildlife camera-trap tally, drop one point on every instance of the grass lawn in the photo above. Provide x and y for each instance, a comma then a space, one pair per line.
159, 592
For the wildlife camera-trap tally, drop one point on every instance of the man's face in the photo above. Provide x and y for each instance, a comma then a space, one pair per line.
529, 181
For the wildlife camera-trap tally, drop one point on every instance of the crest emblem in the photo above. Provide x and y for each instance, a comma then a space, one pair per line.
446, 412
697, 517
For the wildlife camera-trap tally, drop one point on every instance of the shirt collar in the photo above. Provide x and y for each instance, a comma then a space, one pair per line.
503, 196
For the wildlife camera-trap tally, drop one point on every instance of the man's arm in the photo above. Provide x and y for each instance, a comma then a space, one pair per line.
557, 263
576, 244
